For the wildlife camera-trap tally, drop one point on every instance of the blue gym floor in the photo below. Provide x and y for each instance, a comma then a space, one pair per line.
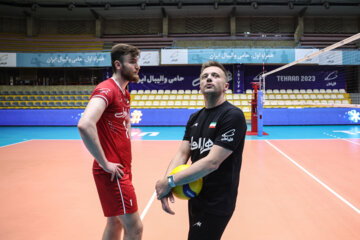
12, 135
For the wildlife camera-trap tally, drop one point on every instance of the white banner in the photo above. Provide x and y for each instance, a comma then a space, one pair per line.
7, 59
331, 58
174, 56
300, 53
149, 58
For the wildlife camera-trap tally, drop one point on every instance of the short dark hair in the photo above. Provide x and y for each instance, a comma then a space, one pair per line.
214, 64
120, 50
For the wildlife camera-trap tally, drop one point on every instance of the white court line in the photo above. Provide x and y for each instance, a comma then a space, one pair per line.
316, 179
14, 143
148, 206
350, 141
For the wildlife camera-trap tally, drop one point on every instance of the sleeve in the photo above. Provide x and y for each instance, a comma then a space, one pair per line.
105, 92
188, 126
128, 95
231, 130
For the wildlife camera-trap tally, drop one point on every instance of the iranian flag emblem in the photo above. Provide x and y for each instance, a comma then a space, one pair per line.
212, 125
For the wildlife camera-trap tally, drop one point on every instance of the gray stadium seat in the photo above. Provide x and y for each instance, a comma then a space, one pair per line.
30, 104
78, 104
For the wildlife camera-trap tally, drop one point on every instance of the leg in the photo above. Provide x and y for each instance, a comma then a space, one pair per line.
132, 225
205, 226
112, 229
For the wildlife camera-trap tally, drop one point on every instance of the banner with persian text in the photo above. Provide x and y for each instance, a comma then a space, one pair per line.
173, 77
241, 55
99, 59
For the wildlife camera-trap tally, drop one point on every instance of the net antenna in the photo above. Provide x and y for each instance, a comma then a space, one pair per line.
321, 51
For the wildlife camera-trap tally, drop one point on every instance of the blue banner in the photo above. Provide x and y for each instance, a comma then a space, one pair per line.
160, 117
179, 117
40, 117
238, 78
233, 55
173, 77
298, 77
99, 59
311, 116
351, 57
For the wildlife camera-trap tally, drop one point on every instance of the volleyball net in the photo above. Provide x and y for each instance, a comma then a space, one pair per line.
325, 78
338, 82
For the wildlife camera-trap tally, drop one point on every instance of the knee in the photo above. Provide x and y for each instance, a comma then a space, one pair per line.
113, 222
138, 229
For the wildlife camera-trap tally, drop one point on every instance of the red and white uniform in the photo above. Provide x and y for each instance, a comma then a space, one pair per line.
117, 197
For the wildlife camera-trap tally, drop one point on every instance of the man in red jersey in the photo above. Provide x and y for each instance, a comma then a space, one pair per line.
105, 130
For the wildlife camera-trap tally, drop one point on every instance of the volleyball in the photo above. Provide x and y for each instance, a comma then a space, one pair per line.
189, 190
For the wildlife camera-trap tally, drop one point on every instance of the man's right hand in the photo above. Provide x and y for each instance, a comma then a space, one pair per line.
165, 203
114, 169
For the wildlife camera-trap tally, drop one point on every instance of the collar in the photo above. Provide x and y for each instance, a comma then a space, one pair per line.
123, 91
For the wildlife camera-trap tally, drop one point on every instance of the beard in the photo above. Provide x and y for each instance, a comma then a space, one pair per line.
128, 75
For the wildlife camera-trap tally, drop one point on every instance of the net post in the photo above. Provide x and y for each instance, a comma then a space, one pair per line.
260, 113
254, 122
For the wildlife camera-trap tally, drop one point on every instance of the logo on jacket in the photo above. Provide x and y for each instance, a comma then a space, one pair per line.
228, 136
104, 90
195, 125
122, 114
203, 144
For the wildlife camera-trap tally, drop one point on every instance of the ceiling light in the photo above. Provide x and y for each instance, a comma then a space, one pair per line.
326, 5
71, 6
254, 5
291, 5
34, 7
216, 4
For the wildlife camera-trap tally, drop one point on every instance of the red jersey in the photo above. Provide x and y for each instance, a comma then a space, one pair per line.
112, 125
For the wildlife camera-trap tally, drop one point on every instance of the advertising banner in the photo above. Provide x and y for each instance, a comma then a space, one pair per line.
301, 53
241, 55
298, 77
7, 59
238, 78
149, 58
174, 56
311, 116
179, 117
100, 59
351, 57
173, 77
331, 58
